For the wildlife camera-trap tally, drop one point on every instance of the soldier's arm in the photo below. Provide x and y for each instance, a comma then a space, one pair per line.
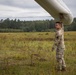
54, 45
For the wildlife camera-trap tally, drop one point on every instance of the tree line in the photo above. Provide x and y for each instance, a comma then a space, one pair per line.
15, 25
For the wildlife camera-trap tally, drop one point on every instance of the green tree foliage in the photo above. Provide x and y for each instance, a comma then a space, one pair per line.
32, 26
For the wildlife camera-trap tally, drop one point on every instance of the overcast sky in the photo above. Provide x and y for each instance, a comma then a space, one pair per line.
28, 9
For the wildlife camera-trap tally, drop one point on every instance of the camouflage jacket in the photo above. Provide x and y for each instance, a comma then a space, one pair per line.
59, 39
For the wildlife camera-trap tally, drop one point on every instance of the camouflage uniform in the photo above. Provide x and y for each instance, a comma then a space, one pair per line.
60, 47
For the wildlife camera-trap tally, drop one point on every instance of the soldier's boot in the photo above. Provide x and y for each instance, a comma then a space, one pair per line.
59, 69
63, 69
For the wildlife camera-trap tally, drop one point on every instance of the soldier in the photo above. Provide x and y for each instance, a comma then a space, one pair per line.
59, 46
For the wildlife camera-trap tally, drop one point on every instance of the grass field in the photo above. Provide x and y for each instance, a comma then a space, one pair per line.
30, 54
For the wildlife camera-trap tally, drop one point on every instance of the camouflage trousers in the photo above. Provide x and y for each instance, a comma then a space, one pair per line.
60, 58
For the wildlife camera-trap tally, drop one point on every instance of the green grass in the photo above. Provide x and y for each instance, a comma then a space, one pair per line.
30, 54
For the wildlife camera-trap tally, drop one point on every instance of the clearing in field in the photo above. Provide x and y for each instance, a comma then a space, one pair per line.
30, 54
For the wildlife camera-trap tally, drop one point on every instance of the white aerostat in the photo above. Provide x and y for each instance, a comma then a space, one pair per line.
55, 8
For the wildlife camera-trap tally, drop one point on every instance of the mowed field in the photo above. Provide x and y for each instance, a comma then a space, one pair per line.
30, 54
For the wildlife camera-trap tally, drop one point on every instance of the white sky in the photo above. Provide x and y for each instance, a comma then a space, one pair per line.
28, 9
